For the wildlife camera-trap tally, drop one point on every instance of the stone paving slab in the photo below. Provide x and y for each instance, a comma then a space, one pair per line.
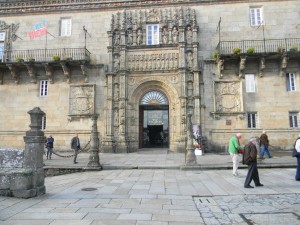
162, 159
196, 197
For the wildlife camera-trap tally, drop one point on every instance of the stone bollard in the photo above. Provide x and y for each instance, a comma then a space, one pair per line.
33, 156
190, 149
94, 162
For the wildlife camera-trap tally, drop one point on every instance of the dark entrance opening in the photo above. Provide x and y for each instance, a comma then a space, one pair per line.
154, 126
155, 135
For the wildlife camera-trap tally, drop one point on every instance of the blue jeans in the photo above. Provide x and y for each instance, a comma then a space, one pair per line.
265, 150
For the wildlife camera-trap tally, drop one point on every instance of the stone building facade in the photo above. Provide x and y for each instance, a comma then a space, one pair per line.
142, 66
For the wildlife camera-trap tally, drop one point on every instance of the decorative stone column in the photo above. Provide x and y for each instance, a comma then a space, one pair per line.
94, 161
33, 157
190, 159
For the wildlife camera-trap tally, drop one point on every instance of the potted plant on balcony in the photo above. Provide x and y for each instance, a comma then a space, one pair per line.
294, 48
56, 57
67, 58
30, 59
215, 54
236, 51
250, 50
19, 59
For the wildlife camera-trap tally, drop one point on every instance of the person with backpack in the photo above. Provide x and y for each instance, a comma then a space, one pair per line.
250, 159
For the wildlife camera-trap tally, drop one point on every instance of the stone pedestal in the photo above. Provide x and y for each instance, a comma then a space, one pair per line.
94, 161
190, 159
34, 176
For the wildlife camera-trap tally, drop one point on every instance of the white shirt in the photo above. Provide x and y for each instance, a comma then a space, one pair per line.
297, 146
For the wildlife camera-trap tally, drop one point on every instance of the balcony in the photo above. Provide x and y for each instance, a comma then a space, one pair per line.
266, 46
281, 51
35, 59
46, 55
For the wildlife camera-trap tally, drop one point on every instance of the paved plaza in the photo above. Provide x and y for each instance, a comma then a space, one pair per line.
161, 195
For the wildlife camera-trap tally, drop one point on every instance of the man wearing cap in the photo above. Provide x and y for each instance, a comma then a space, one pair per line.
250, 159
233, 148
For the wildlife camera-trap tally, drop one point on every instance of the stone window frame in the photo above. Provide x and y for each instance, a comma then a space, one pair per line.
290, 82
250, 83
44, 88
65, 27
252, 120
154, 37
294, 119
256, 16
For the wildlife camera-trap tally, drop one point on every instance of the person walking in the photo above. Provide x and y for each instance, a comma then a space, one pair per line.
49, 146
250, 159
264, 143
297, 155
75, 145
233, 148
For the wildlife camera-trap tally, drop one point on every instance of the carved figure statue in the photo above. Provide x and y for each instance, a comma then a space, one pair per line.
129, 37
165, 35
117, 39
189, 60
189, 35
139, 39
116, 63
175, 35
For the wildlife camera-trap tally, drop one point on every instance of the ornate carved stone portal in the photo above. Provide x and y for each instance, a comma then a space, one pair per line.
151, 50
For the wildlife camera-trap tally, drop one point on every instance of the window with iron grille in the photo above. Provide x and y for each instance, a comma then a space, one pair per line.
65, 26
43, 125
291, 82
2, 39
252, 120
294, 119
256, 16
153, 34
250, 83
43, 88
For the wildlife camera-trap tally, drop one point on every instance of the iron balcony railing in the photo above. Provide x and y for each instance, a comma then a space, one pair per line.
46, 55
260, 46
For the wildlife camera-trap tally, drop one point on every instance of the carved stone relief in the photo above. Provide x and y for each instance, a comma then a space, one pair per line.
152, 62
228, 97
82, 101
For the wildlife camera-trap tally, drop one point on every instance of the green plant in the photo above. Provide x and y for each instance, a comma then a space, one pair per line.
236, 51
67, 58
250, 50
56, 57
294, 48
215, 54
30, 59
19, 59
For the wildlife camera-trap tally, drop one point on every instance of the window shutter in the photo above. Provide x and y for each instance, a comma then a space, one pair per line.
66, 27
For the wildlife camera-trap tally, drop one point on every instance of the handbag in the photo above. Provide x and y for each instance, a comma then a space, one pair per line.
240, 151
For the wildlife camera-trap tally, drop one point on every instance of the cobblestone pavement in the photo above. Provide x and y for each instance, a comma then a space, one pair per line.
159, 197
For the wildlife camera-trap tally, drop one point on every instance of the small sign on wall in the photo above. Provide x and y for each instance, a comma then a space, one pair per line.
228, 122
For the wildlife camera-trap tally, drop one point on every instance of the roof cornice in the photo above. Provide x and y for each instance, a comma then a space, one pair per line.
42, 6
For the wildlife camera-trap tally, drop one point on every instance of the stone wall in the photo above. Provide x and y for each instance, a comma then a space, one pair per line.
22, 174
271, 101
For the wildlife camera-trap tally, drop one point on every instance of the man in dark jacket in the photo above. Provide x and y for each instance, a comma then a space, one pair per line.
49, 146
250, 159
75, 145
264, 143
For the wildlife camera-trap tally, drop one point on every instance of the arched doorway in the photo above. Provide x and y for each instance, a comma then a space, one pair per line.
154, 120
